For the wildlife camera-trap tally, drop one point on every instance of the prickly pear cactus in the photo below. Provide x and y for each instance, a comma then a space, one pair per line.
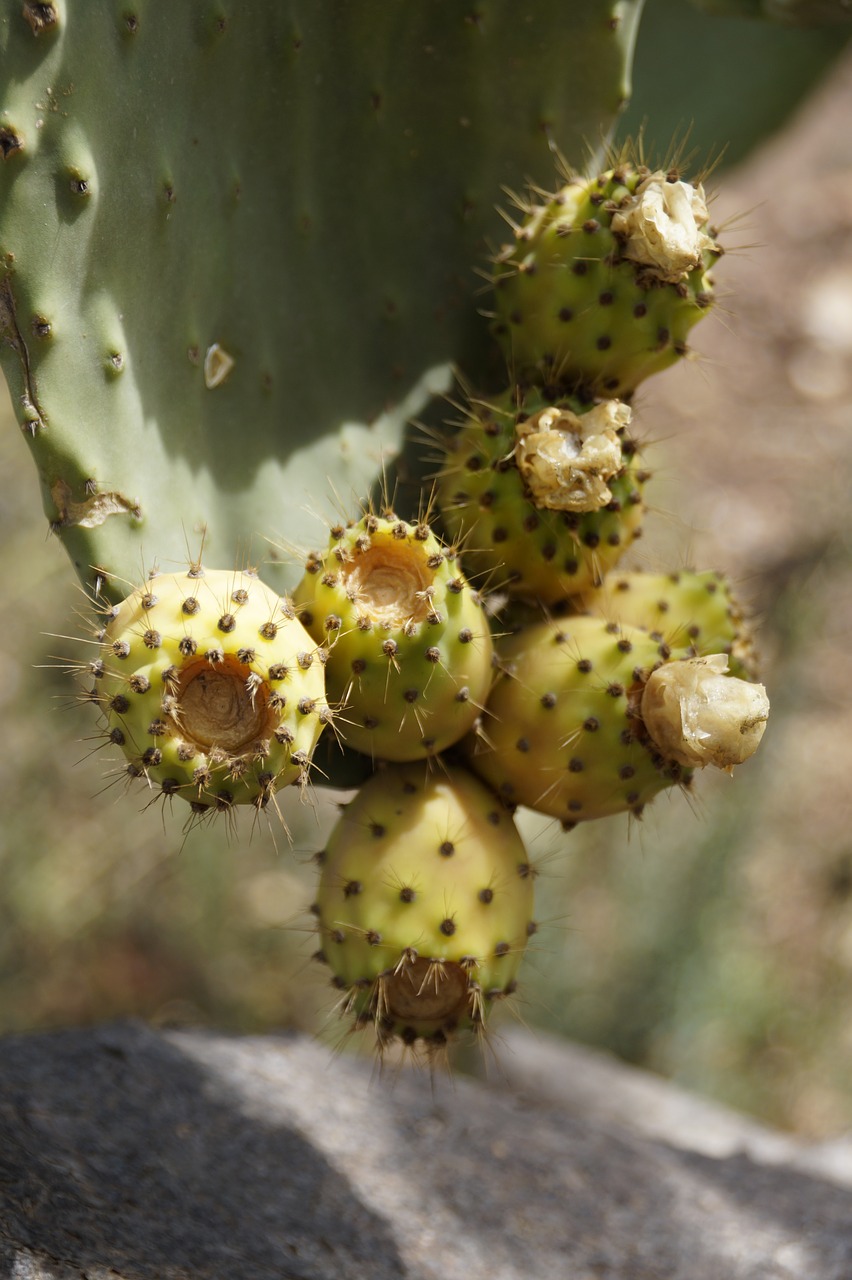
238, 246
409, 644
211, 687
425, 904
605, 279
543, 497
237, 243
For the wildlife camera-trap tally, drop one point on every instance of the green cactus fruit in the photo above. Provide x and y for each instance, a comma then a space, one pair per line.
695, 613
211, 687
544, 498
605, 280
565, 729
410, 653
424, 904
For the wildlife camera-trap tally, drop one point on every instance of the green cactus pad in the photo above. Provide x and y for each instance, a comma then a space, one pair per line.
694, 612
424, 904
509, 540
562, 733
410, 650
211, 687
237, 239
587, 302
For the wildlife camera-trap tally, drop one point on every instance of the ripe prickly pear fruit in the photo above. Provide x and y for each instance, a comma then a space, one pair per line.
410, 652
565, 731
544, 497
605, 280
695, 613
424, 904
211, 687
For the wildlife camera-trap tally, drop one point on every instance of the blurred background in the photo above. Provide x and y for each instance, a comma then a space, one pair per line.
712, 942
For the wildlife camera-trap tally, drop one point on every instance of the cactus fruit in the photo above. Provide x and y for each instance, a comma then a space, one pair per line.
211, 687
565, 732
694, 612
543, 505
604, 281
424, 904
409, 646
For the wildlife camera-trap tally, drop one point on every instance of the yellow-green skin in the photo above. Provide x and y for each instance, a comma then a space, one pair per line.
200, 624
507, 541
412, 681
561, 732
694, 612
573, 313
424, 866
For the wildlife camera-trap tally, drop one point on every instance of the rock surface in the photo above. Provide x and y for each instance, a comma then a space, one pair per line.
133, 1153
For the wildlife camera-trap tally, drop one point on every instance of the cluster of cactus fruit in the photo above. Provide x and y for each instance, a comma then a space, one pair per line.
556, 682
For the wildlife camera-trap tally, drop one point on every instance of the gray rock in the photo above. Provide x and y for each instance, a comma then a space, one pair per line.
140, 1154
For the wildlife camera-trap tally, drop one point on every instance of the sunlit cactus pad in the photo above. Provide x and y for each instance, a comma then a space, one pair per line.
235, 238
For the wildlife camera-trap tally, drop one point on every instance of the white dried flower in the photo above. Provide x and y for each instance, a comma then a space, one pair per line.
566, 459
697, 715
663, 226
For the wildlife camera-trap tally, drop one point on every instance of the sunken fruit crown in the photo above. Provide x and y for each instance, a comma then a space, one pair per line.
424, 904
409, 646
545, 497
605, 280
211, 687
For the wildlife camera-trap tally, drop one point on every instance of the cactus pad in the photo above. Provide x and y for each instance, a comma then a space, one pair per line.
410, 649
425, 903
207, 207
211, 687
